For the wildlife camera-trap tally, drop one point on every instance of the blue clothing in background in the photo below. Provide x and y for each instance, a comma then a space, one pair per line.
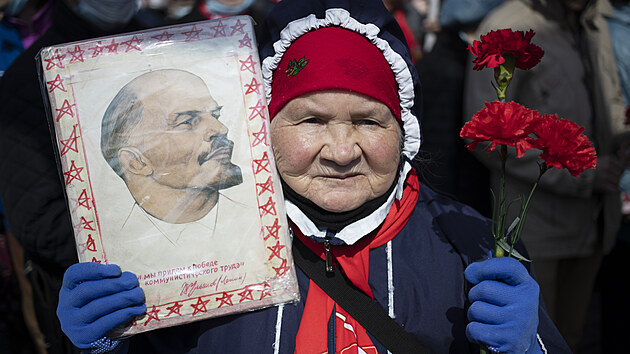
10, 45
463, 13
619, 35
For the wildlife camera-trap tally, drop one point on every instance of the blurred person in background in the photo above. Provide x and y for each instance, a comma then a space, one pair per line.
615, 309
214, 9
572, 222
22, 22
451, 168
30, 185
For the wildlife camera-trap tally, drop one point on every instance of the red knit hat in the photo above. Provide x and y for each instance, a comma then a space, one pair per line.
333, 58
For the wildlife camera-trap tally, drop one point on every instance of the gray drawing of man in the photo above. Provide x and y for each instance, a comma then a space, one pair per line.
162, 135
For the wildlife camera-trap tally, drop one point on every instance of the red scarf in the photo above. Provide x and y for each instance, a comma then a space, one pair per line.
354, 261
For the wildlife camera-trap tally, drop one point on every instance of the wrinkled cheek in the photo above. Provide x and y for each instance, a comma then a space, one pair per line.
382, 156
293, 154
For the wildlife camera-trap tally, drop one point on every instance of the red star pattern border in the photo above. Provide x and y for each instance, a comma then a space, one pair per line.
152, 315
73, 173
132, 44
260, 137
66, 109
273, 230
163, 37
248, 64
57, 83
77, 54
70, 144
55, 61
262, 164
271, 227
246, 41
258, 110
267, 186
193, 34
238, 28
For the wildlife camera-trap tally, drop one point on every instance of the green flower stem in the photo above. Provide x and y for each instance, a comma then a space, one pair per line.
501, 215
525, 208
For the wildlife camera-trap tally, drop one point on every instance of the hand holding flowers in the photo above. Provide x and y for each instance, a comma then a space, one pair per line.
561, 142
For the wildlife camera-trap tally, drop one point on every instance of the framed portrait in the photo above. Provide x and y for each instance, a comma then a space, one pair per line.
164, 149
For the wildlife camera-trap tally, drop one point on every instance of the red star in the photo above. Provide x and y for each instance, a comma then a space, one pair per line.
253, 87
73, 173
248, 64
70, 143
275, 250
192, 34
90, 244
86, 225
200, 306
262, 164
113, 47
265, 291
246, 295
66, 108
219, 29
245, 42
77, 54
261, 136
152, 315
55, 61
226, 299
273, 230
95, 260
164, 36
269, 208
282, 269
57, 83
83, 200
257, 111
238, 27
265, 187
97, 49
132, 44
174, 309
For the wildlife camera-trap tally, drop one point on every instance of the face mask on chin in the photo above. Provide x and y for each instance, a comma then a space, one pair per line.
107, 15
216, 7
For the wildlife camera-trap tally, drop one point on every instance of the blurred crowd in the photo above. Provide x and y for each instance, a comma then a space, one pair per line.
579, 229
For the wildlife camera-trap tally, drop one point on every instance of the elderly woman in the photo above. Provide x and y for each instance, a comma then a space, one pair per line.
345, 132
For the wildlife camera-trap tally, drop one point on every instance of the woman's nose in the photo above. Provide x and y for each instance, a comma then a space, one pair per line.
342, 146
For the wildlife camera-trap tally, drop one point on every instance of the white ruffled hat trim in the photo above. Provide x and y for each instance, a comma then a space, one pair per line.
411, 126
342, 18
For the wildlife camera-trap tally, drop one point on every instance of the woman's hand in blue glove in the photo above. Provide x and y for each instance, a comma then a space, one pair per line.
94, 299
504, 306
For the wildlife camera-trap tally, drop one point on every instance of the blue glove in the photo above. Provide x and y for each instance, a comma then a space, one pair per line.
504, 306
94, 299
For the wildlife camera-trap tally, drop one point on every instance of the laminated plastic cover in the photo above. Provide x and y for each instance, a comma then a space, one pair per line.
163, 144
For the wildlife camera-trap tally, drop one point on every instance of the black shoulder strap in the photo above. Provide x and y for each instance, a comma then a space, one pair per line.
360, 306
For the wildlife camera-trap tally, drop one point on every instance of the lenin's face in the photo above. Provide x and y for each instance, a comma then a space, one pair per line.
182, 139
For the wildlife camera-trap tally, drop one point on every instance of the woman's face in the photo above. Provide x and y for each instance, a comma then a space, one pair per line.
339, 149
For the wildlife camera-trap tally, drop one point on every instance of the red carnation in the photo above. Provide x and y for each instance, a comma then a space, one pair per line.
564, 145
505, 123
492, 47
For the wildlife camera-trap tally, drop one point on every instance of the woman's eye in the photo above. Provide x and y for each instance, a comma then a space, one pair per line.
312, 121
367, 122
